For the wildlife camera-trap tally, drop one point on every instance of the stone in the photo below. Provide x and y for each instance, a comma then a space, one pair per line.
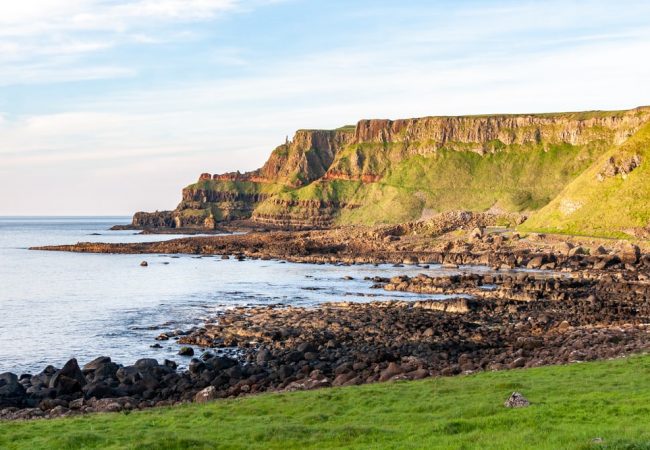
97, 390
146, 363
411, 260
516, 400
536, 262
186, 351
205, 395
476, 233
12, 393
518, 363
95, 363
629, 253
69, 379
390, 371
196, 366
107, 370
144, 263
263, 356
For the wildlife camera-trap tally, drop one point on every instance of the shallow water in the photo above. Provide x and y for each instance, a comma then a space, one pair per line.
58, 305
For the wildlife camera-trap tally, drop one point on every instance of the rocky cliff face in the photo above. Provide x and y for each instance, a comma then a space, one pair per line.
304, 159
312, 179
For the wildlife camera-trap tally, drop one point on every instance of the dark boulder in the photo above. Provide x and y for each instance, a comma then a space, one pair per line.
12, 393
128, 375
186, 351
146, 363
220, 363
96, 363
196, 366
97, 390
105, 371
69, 379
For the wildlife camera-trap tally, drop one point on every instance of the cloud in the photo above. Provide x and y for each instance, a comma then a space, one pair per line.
36, 36
35, 17
155, 137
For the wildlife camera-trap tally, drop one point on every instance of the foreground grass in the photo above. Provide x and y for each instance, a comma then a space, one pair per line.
572, 406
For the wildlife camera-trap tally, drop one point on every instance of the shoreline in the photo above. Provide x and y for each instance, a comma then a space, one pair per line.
587, 303
522, 320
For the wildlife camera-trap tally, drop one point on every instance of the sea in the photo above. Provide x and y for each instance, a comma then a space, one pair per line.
58, 305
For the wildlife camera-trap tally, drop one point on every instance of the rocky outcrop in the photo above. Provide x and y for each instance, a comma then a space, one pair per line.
574, 129
158, 219
305, 158
619, 166
297, 186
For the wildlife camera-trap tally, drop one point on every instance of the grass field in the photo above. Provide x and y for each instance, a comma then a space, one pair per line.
600, 405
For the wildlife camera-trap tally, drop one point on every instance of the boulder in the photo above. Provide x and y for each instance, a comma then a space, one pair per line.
186, 351
95, 363
128, 375
146, 363
12, 393
629, 253
390, 371
97, 390
104, 371
578, 251
476, 233
69, 379
205, 395
537, 262
411, 260
516, 400
220, 363
263, 356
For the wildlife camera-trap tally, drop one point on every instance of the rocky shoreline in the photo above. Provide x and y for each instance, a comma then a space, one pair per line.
575, 300
500, 320
437, 242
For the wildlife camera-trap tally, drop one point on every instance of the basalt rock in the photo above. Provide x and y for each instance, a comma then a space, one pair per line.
318, 176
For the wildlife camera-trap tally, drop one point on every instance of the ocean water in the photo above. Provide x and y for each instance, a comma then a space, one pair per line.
58, 305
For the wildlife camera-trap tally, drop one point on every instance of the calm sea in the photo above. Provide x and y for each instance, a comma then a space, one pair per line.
57, 305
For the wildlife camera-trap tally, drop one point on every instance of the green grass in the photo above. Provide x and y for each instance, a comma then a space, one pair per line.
571, 406
515, 178
418, 178
608, 208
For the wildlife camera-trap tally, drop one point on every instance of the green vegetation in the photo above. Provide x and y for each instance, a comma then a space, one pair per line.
244, 187
404, 174
599, 405
514, 178
610, 206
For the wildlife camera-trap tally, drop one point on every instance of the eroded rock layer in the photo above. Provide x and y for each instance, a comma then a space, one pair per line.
385, 171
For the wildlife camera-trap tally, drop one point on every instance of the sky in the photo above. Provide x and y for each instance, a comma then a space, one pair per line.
112, 106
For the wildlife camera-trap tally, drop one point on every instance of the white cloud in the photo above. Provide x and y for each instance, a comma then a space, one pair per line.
29, 17
153, 140
37, 33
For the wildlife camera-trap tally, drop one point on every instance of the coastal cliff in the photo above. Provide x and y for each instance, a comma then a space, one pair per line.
389, 171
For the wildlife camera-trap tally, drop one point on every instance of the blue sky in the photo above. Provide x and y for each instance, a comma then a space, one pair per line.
111, 106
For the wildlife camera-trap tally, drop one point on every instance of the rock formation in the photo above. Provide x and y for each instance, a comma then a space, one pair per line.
385, 171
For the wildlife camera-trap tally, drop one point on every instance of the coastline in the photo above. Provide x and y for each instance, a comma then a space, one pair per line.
564, 303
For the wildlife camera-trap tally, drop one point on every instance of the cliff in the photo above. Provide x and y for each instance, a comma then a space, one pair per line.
388, 171
611, 198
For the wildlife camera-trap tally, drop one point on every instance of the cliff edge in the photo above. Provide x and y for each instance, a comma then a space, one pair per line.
390, 171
